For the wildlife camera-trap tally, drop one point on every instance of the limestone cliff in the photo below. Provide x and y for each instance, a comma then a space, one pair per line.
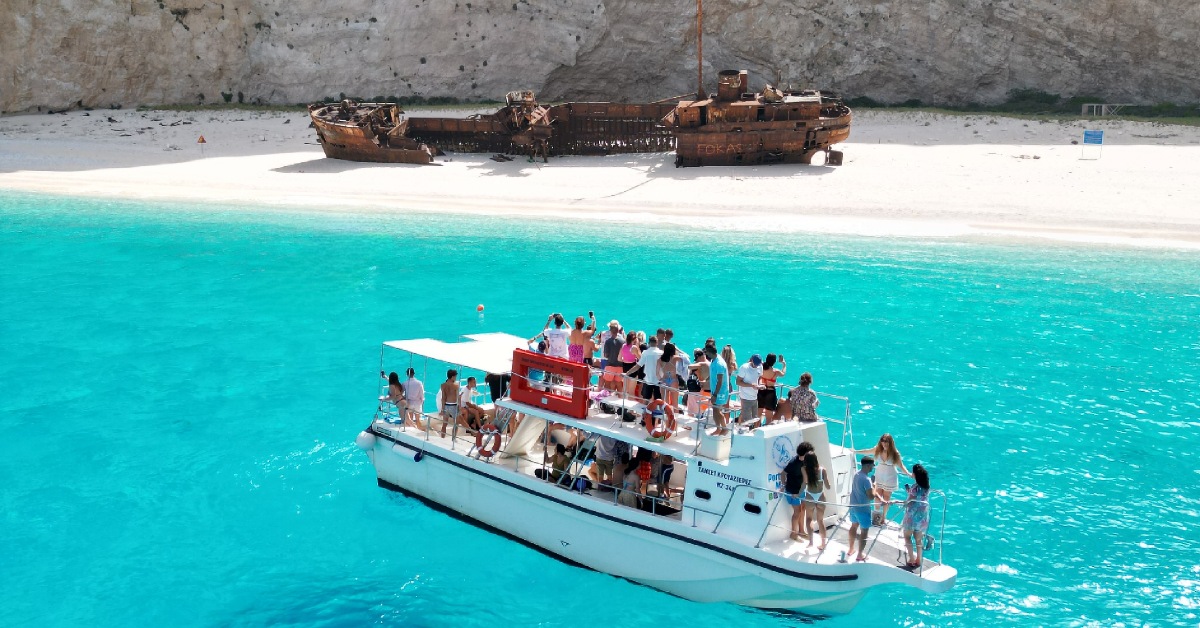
59, 53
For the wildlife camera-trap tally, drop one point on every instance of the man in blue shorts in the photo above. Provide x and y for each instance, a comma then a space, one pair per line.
860, 508
718, 380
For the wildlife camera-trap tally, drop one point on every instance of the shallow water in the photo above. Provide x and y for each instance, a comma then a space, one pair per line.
180, 388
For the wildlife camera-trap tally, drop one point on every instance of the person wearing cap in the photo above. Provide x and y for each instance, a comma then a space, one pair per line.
861, 491
749, 381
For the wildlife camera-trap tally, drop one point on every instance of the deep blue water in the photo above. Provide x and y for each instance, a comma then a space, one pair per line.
180, 388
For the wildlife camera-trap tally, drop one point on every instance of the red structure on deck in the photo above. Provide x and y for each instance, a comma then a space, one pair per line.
569, 398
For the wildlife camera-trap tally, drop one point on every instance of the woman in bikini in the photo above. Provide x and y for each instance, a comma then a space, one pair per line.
768, 399
395, 395
888, 464
815, 482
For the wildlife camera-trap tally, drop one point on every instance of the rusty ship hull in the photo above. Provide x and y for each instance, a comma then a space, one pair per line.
733, 128
566, 129
737, 128
372, 132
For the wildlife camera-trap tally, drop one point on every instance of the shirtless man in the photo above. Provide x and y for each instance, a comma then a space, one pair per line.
449, 409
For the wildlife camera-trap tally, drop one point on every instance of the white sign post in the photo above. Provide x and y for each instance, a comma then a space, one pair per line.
1093, 144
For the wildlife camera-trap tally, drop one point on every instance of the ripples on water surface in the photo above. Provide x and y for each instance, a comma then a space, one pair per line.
180, 388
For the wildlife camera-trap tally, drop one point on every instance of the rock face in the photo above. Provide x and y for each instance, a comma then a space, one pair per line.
61, 53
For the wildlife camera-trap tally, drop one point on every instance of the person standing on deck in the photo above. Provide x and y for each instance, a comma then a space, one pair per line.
629, 355
916, 516
606, 457
793, 486
557, 337
681, 363
649, 362
860, 509
414, 392
449, 391
668, 375
611, 352
889, 464
581, 347
768, 399
613, 329
816, 482
697, 382
718, 379
749, 380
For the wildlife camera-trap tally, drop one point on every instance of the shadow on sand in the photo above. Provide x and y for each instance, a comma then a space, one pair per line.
654, 165
326, 165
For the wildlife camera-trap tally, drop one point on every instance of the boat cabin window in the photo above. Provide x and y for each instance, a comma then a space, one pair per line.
753, 509
705, 495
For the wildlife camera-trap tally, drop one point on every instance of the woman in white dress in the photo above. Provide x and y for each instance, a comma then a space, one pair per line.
889, 464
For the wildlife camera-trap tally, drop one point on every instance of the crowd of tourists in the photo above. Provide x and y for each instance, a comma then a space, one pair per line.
652, 367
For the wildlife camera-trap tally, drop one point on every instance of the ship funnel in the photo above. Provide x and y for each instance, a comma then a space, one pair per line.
730, 85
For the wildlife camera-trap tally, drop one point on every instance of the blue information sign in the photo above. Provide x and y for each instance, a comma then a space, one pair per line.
1093, 137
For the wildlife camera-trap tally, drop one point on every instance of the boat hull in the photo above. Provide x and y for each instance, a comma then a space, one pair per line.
740, 145
362, 141
655, 551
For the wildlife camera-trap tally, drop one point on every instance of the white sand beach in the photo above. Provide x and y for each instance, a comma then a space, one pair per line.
906, 174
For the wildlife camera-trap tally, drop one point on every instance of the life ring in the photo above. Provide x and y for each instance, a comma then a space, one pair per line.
660, 429
490, 433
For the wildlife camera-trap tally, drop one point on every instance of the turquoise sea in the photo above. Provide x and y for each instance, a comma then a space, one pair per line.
180, 387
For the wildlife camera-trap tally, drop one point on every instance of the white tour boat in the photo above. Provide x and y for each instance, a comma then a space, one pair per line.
723, 536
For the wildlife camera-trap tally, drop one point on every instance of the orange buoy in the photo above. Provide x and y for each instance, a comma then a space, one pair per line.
491, 435
662, 426
479, 308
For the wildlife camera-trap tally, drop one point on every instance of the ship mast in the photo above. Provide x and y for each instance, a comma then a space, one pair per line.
700, 95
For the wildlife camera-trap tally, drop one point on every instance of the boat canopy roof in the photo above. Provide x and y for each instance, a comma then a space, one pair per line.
490, 353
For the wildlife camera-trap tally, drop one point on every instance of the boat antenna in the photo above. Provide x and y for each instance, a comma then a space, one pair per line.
700, 95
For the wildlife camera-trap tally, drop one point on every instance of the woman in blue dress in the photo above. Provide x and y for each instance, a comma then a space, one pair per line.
916, 515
